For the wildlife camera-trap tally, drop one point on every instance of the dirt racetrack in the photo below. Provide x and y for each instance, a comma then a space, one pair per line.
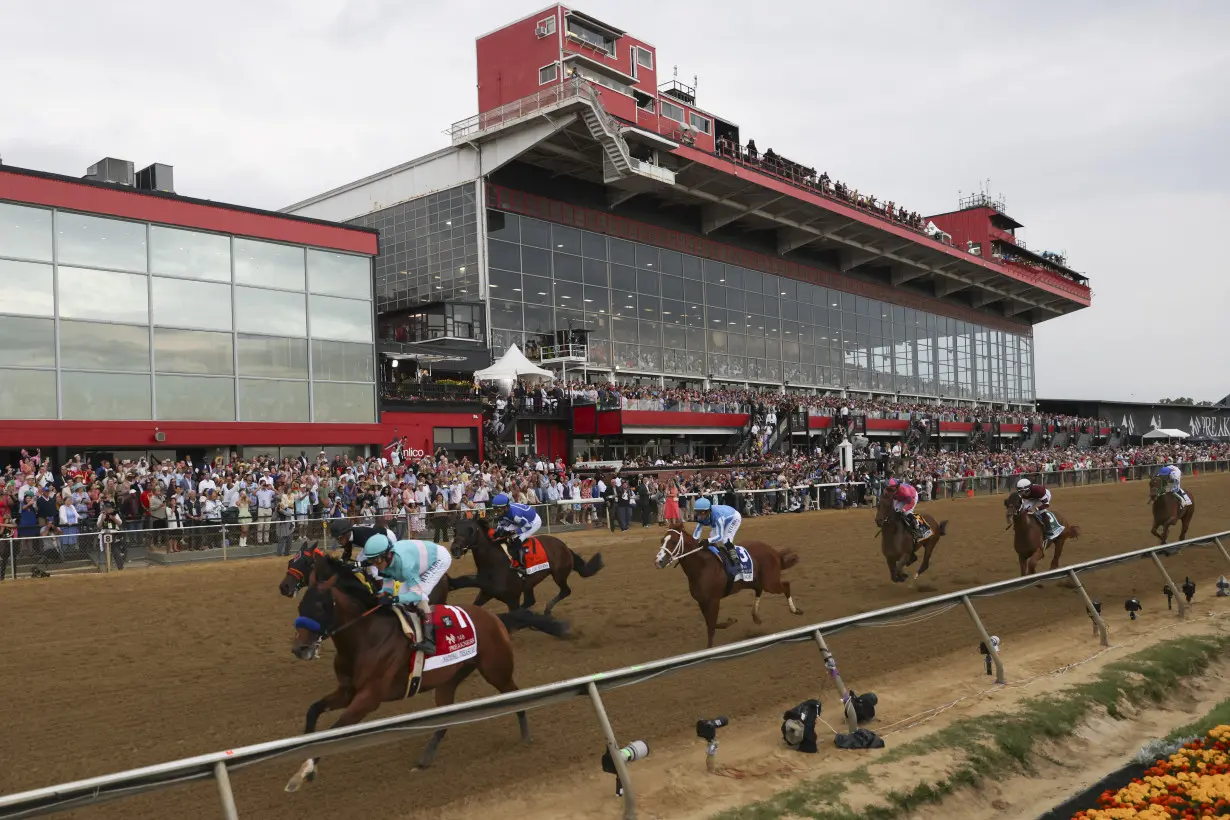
103, 673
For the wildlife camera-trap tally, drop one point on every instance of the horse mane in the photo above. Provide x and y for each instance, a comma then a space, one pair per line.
348, 582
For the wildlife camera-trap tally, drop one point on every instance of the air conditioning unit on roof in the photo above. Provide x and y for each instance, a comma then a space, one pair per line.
541, 31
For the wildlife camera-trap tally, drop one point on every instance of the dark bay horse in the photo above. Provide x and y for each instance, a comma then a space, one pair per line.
374, 656
897, 542
496, 579
1028, 539
1168, 511
709, 583
299, 569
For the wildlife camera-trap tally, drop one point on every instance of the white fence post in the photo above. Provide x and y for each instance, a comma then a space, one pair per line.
986, 639
1099, 625
229, 810
612, 746
1174, 590
830, 663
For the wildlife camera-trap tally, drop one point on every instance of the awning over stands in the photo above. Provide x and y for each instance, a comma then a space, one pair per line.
1153, 435
512, 366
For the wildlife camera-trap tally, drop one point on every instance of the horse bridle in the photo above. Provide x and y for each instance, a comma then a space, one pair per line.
675, 559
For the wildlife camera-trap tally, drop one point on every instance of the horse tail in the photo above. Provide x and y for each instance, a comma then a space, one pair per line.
942, 529
1074, 531
526, 619
585, 568
789, 558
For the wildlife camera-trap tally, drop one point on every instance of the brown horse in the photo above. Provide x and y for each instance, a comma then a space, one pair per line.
374, 656
709, 582
299, 569
1028, 540
898, 544
496, 579
1168, 511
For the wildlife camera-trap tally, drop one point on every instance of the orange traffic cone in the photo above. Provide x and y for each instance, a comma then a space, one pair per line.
969, 493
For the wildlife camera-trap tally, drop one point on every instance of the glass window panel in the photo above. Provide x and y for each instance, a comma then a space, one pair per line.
342, 361
597, 300
504, 255
27, 289
671, 262
81, 291
506, 314
754, 303
536, 261
736, 300
110, 396
193, 351
594, 272
25, 233
789, 308
190, 254
339, 274
569, 295
536, 289
567, 268
195, 398
647, 281
504, 283
787, 288
565, 239
715, 272
272, 357
771, 305
623, 278
674, 337
593, 245
650, 334
267, 264
673, 311
268, 311
715, 295
27, 394
502, 225
95, 346
535, 232
344, 403
538, 319
672, 287
346, 320
93, 241
756, 346
737, 343
26, 342
623, 330
204, 305
769, 285
621, 251
261, 400
647, 257
717, 318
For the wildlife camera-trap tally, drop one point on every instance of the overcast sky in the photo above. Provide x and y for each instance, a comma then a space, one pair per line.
1105, 125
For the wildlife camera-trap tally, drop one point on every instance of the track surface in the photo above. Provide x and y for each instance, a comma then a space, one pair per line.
103, 673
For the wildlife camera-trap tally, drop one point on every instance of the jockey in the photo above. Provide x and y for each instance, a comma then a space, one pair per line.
348, 536
1036, 500
520, 519
419, 565
1174, 475
723, 522
905, 499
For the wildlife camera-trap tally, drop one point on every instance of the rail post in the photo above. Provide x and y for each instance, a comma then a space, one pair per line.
229, 811
986, 639
547, 512
1099, 625
104, 549
1175, 591
830, 663
612, 746
1222, 549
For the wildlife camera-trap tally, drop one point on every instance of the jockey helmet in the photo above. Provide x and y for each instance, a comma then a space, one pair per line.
340, 526
1024, 484
376, 546
892, 482
500, 500
702, 505
1165, 470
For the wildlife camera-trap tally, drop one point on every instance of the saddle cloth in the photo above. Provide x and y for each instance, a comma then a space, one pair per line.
745, 572
456, 641
920, 524
535, 557
1184, 498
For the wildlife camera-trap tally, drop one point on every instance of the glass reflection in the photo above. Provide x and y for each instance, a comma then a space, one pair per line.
94, 241
190, 254
27, 288
25, 233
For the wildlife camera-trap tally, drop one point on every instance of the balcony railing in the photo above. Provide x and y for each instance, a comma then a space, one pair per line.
572, 88
549, 353
413, 391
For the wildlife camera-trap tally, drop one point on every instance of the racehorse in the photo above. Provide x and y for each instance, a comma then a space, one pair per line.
496, 579
709, 582
1028, 536
374, 656
897, 542
299, 569
1167, 511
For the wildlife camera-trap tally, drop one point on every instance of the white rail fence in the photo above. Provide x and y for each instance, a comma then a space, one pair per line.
96, 790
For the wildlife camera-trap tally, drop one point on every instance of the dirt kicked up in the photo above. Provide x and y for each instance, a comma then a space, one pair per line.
105, 673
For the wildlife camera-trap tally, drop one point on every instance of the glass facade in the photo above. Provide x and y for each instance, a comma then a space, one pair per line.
663, 312
107, 318
428, 250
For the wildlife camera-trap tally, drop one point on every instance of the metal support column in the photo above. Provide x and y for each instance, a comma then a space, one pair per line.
1099, 625
830, 663
224, 792
612, 746
986, 639
1222, 549
1175, 591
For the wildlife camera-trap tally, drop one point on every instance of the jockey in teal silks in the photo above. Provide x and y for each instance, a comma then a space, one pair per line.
723, 522
419, 565
1173, 475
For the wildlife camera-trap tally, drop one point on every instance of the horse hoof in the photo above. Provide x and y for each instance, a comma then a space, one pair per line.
305, 775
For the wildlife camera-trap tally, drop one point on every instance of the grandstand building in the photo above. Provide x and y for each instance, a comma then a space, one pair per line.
599, 215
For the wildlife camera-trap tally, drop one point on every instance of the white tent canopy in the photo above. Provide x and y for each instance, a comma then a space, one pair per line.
1162, 433
512, 366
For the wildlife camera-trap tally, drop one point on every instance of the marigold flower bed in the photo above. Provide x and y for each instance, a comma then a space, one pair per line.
1193, 782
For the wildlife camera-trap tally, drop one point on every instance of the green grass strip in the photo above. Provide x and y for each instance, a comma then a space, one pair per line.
1001, 743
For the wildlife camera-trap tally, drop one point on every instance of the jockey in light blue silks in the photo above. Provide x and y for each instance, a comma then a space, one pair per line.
522, 521
1174, 475
419, 565
723, 522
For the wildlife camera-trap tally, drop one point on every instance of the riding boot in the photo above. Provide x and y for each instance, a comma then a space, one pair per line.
428, 645
732, 554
